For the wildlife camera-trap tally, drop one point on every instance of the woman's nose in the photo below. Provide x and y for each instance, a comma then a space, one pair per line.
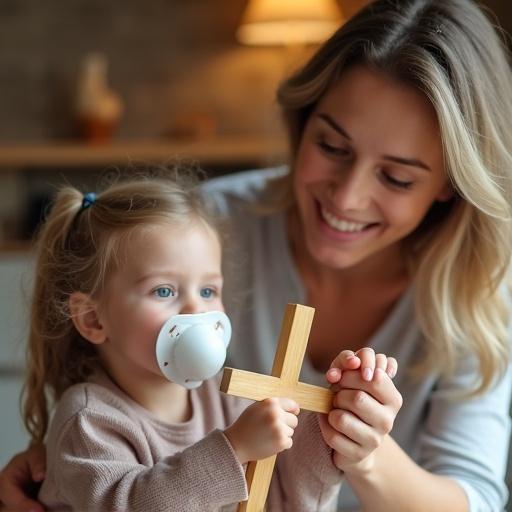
353, 189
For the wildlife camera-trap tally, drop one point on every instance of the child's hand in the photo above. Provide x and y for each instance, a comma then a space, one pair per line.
365, 359
263, 429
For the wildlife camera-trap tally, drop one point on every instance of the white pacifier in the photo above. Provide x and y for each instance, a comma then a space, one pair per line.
192, 348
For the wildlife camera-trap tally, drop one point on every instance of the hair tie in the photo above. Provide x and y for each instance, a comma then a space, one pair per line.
88, 200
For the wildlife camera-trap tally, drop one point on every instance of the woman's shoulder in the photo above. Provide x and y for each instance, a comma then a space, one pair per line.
242, 187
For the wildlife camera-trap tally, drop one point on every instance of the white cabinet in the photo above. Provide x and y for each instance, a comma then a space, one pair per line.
15, 288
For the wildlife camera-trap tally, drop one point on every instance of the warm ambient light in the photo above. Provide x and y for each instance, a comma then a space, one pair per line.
277, 22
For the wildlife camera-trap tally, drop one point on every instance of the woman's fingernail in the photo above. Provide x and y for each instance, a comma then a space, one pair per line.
367, 374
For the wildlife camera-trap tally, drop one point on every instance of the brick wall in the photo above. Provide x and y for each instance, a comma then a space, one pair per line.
162, 56
166, 58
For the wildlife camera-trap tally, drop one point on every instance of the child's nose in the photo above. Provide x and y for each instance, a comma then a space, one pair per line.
191, 305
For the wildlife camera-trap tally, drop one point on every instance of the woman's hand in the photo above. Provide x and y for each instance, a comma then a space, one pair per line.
23, 472
364, 413
263, 429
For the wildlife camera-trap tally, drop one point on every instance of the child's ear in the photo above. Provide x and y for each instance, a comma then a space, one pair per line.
84, 314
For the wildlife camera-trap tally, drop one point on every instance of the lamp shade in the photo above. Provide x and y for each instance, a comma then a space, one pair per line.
285, 22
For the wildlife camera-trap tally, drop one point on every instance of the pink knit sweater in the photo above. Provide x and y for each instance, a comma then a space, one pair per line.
106, 452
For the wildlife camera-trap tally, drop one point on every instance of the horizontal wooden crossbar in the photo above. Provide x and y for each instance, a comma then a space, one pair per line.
258, 387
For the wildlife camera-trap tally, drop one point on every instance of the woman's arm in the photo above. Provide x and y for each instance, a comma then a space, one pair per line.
395, 483
462, 447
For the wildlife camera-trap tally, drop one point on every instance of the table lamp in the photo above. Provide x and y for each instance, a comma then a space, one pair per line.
288, 22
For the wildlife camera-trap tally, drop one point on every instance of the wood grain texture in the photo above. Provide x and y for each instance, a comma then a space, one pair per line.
283, 382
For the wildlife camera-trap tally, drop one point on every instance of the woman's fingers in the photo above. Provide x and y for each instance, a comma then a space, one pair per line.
36, 458
368, 410
381, 388
363, 437
346, 450
15, 478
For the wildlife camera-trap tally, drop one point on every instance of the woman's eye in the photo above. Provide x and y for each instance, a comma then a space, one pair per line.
332, 150
164, 292
207, 293
397, 183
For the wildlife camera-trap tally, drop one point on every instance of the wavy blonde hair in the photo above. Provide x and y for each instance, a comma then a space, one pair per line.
460, 254
76, 250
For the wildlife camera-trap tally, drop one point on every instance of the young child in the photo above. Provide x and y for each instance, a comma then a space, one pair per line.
110, 271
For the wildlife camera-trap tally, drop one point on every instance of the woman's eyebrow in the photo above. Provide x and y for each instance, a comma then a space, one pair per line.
334, 125
413, 162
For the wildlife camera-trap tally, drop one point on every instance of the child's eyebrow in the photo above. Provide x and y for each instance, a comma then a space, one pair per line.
214, 276
154, 275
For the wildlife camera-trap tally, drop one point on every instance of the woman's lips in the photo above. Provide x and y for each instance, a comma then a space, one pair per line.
343, 225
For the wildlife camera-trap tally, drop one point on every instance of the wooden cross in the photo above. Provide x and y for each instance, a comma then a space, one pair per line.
283, 383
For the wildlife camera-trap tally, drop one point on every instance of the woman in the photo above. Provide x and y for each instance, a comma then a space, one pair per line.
393, 221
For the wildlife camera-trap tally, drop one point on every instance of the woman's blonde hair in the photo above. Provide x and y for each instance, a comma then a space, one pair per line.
77, 248
460, 254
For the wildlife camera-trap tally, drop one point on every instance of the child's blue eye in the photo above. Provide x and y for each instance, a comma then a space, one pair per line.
207, 293
164, 292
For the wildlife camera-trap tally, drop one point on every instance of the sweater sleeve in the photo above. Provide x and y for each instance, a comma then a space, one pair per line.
305, 478
97, 469
467, 440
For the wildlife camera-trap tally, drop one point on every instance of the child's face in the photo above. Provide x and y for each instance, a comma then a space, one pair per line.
168, 270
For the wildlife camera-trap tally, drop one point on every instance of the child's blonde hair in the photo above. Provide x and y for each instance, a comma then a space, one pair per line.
77, 248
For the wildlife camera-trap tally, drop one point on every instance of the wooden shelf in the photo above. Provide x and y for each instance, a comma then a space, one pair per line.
222, 150
13, 247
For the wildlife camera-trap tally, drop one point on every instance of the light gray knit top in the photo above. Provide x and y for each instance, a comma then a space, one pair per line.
465, 440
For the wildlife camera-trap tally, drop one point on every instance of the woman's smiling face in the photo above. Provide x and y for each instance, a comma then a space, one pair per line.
369, 167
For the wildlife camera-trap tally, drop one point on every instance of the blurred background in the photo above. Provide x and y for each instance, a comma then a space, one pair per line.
87, 86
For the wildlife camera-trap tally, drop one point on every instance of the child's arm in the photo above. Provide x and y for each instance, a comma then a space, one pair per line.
102, 462
105, 461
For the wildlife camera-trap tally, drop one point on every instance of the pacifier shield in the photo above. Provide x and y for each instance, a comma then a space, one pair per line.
192, 348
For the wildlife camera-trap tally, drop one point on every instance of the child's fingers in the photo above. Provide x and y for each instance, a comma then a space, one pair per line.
291, 420
333, 375
289, 405
392, 367
346, 360
367, 357
381, 361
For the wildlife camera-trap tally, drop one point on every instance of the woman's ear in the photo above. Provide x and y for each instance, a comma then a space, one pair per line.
84, 314
446, 193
